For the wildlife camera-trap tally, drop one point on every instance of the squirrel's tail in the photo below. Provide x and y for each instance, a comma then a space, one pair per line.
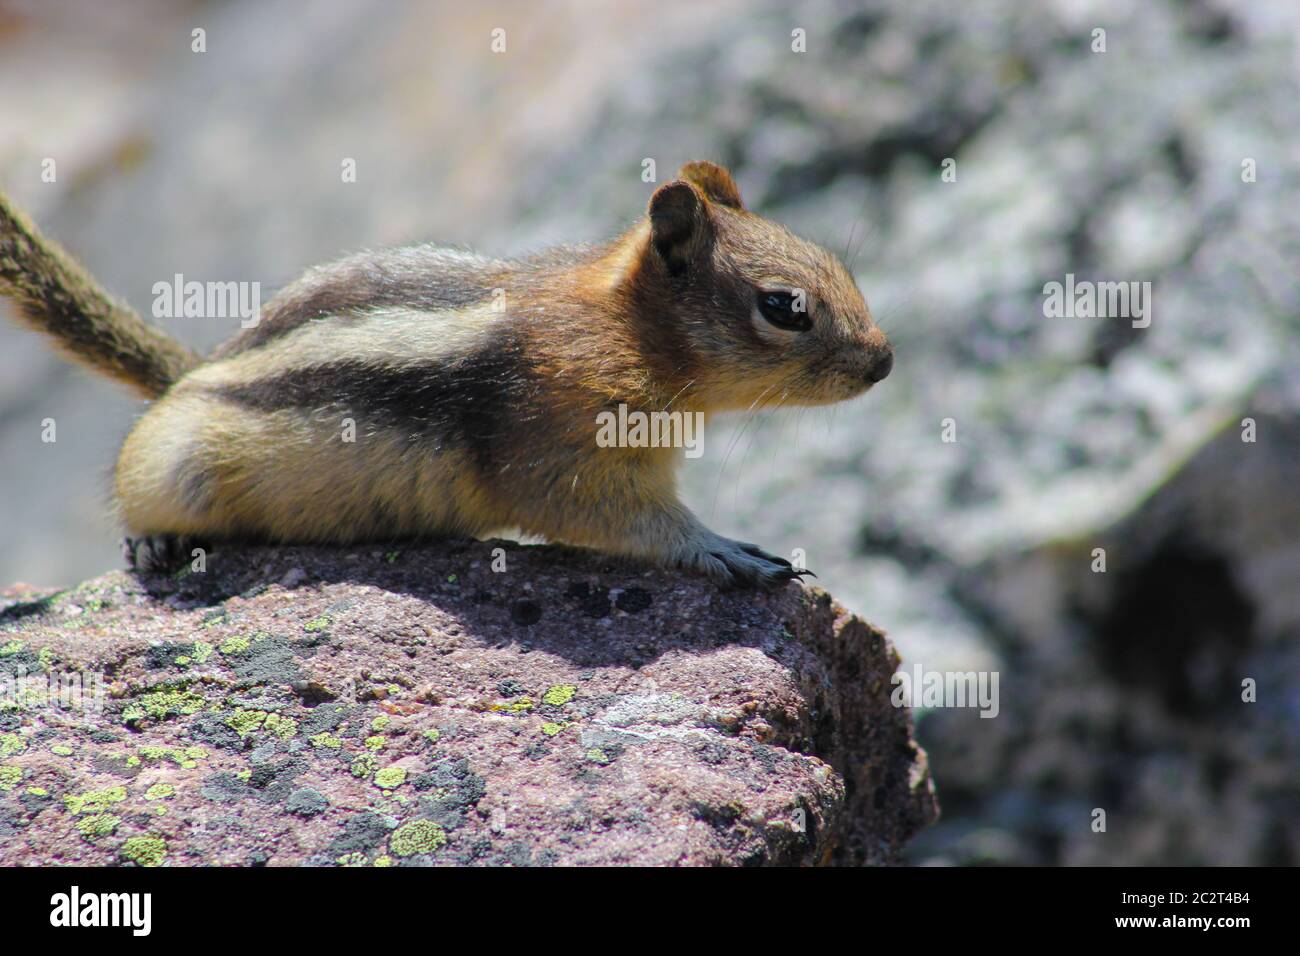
55, 295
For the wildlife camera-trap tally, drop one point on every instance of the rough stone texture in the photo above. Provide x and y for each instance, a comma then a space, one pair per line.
1125, 690
309, 706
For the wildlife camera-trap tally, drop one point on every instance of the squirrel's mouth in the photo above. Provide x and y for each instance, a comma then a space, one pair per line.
835, 388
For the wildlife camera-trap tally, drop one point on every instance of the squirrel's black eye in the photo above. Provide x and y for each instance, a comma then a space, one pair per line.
784, 311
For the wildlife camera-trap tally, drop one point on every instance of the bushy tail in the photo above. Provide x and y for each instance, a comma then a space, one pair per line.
57, 296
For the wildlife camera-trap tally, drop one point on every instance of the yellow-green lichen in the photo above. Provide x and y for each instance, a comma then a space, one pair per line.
375, 743
325, 740
381, 722
62, 750
432, 735
283, 727
318, 624
202, 651
164, 703
94, 801
235, 646
418, 836
10, 777
364, 766
383, 861
559, 695
514, 706
11, 744
145, 851
160, 791
551, 729
186, 759
98, 825
10, 649
246, 722
390, 778
38, 791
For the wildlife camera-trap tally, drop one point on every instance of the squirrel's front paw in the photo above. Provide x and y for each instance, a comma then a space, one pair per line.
737, 564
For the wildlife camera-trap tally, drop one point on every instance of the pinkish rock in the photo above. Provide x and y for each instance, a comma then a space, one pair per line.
417, 707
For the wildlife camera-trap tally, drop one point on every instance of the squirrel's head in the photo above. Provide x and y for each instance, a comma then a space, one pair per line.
769, 318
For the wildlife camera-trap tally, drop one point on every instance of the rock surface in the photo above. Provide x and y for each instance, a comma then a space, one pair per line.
1163, 691
310, 706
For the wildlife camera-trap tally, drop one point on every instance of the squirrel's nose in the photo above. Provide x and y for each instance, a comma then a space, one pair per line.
882, 366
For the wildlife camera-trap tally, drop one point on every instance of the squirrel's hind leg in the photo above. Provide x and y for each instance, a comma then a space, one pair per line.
159, 553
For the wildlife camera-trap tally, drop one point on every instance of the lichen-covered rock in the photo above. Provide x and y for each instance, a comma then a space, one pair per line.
1159, 685
446, 705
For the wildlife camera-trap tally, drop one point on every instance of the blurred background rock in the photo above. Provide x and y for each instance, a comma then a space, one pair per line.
1119, 690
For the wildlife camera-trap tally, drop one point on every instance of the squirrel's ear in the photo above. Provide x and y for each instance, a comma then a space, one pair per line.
679, 224
714, 181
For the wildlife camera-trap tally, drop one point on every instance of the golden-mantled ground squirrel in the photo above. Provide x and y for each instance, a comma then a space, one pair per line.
473, 384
